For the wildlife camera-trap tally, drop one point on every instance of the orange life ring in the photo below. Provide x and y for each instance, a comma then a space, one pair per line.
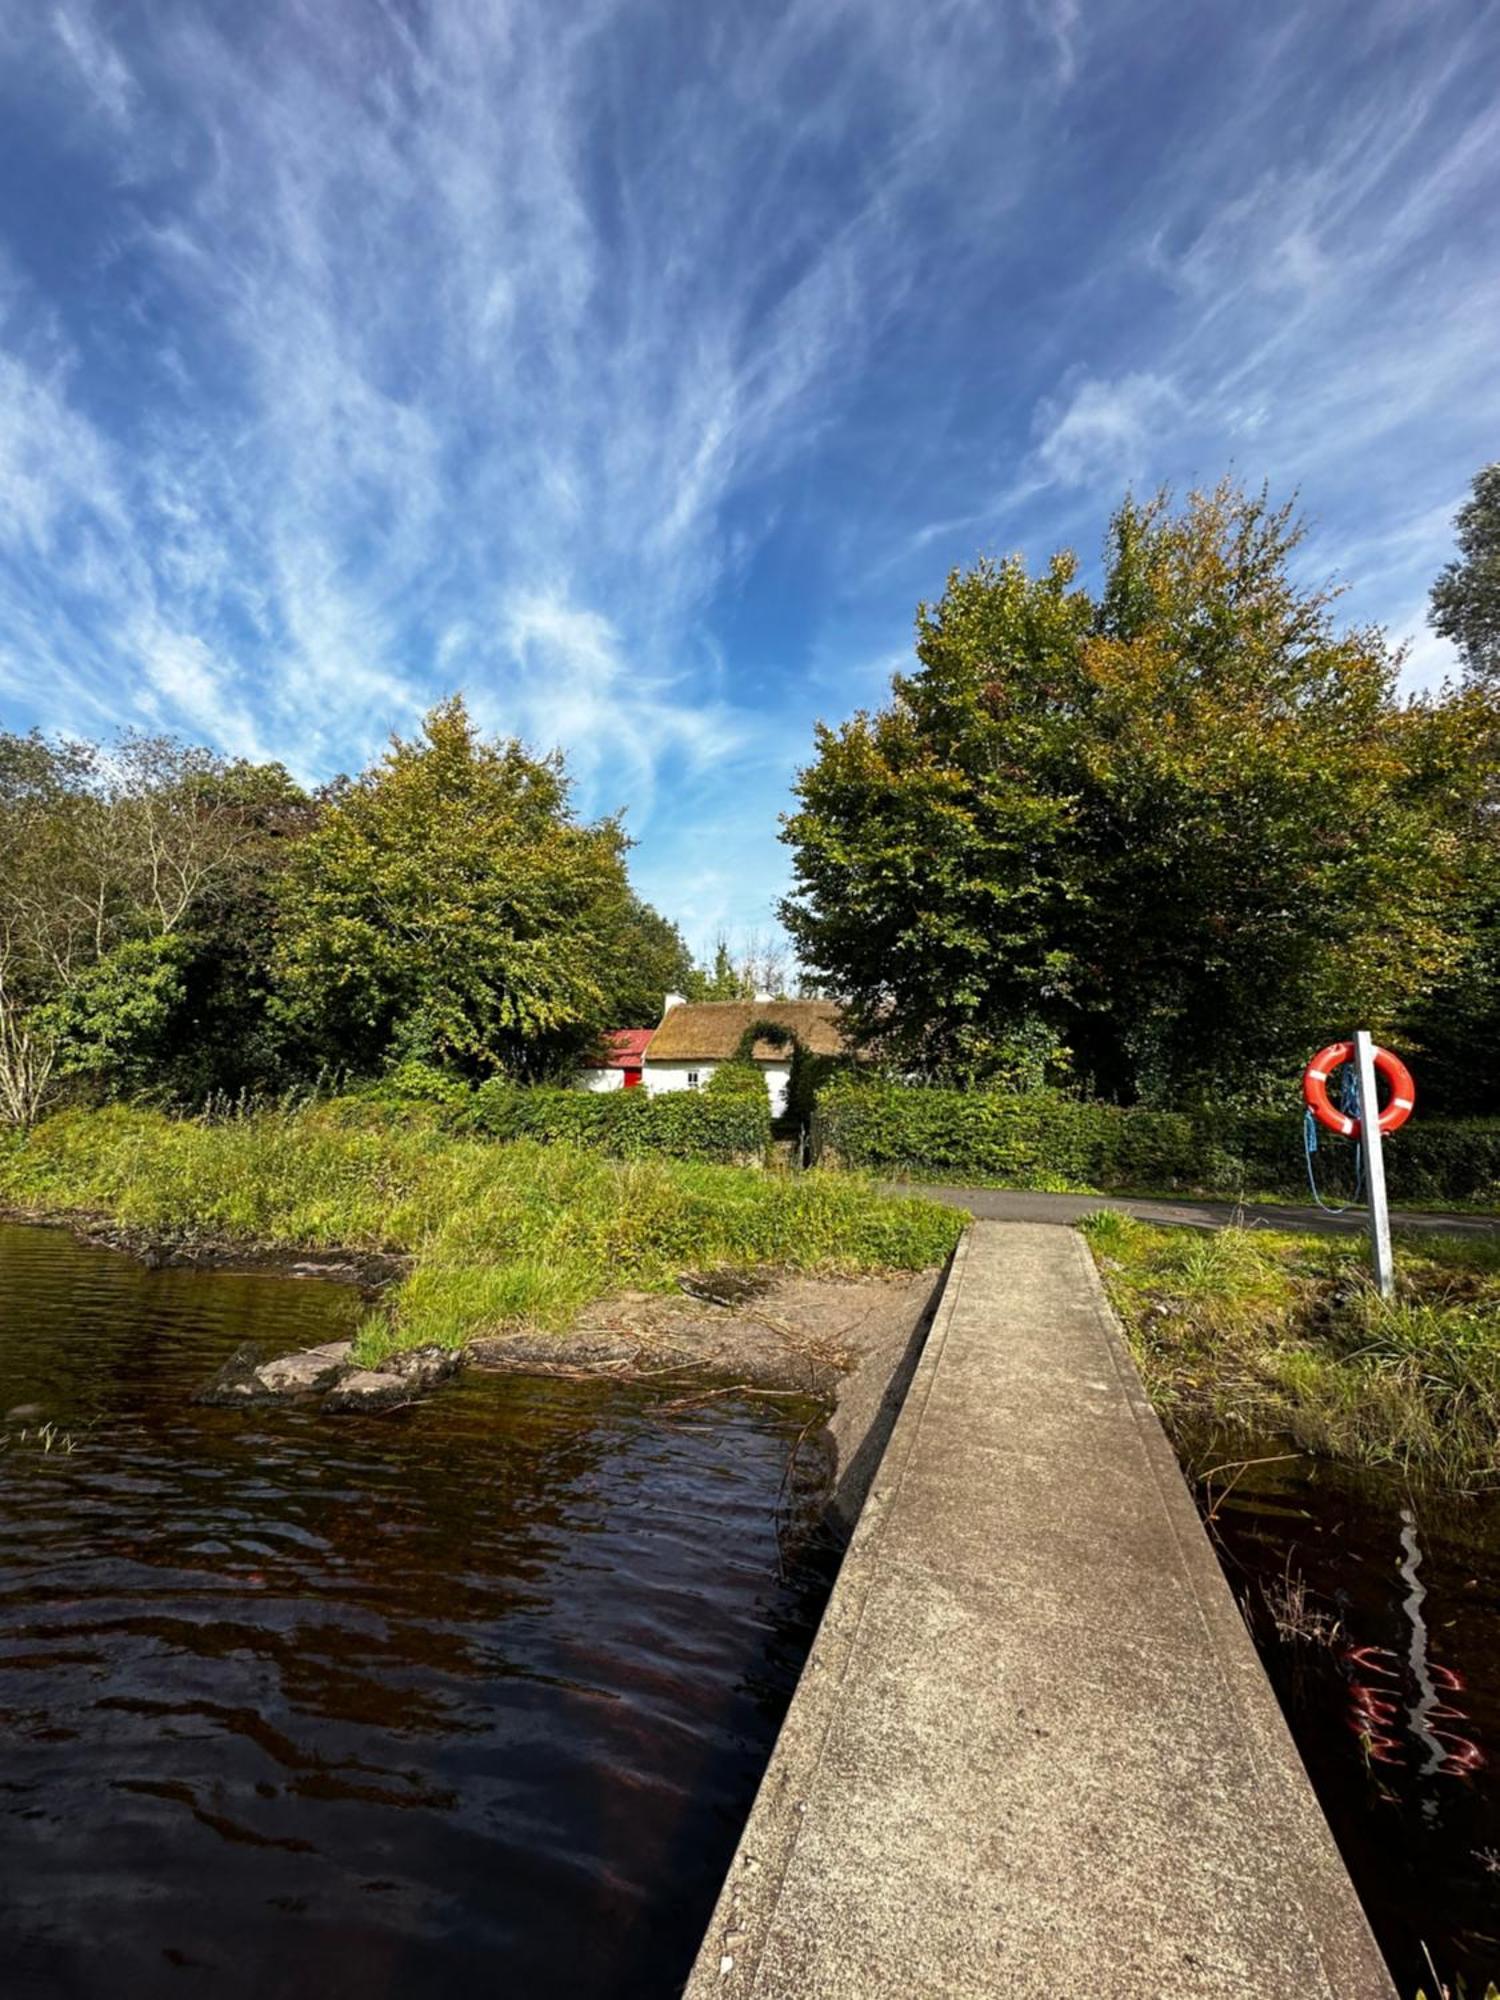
1315, 1090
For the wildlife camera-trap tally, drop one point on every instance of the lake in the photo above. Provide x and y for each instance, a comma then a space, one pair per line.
1376, 1609
479, 1691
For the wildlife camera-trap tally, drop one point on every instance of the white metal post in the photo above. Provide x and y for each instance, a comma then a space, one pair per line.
1370, 1139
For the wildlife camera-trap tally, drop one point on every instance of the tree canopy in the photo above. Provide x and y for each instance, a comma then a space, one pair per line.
193, 927
1162, 835
112, 862
449, 906
1466, 596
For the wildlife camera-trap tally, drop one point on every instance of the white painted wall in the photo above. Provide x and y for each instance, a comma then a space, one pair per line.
599, 1079
778, 1076
660, 1077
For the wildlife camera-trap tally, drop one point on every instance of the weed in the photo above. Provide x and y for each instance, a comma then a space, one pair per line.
1297, 1619
1270, 1332
46, 1438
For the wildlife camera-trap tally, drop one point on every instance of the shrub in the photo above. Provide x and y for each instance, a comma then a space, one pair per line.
1042, 1139
1035, 1139
416, 1082
725, 1126
737, 1080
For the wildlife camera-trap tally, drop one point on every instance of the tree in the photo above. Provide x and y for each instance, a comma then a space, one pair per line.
226, 1034
1453, 1027
757, 970
1466, 597
1169, 835
107, 857
650, 960
720, 980
114, 1022
449, 906
52, 914
932, 891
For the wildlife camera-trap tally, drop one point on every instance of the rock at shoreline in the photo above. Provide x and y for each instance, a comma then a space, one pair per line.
329, 1371
401, 1379
307, 1373
247, 1378
236, 1380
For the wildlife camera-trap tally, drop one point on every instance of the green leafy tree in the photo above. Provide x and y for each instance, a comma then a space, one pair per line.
1453, 1026
1466, 597
721, 979
54, 912
650, 960
106, 853
933, 881
448, 906
1164, 834
227, 1035
114, 1022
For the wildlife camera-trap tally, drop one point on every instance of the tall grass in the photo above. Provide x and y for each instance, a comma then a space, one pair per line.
1273, 1332
502, 1235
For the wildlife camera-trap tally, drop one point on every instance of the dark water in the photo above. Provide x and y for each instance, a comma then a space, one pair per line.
474, 1697
1397, 1711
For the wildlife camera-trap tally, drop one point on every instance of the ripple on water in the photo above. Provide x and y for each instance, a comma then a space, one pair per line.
481, 1689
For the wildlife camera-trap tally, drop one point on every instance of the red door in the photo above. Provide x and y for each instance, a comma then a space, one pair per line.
632, 1078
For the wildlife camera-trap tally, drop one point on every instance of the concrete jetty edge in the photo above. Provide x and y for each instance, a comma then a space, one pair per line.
1033, 1751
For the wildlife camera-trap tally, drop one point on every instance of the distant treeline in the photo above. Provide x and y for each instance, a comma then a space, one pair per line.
1151, 842
179, 924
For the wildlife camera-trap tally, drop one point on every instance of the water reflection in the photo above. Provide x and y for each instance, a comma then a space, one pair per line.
1377, 1614
293, 1706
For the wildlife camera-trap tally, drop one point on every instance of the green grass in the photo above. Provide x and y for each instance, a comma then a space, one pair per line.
1267, 1331
502, 1235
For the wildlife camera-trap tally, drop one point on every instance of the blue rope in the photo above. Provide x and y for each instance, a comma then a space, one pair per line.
1348, 1091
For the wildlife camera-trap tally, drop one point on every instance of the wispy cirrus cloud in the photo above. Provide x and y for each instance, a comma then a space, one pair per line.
101, 67
636, 367
1104, 433
447, 374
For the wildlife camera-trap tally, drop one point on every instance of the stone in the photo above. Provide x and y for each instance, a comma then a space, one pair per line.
248, 1378
401, 1379
237, 1381
308, 1372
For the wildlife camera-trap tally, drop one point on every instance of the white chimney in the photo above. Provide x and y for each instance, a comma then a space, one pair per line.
674, 1000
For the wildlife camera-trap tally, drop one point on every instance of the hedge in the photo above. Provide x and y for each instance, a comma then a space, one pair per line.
1044, 1140
680, 1125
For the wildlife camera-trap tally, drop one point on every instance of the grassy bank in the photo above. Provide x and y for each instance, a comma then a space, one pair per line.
502, 1235
1272, 1332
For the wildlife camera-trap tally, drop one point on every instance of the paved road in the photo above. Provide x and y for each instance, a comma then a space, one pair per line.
1013, 1205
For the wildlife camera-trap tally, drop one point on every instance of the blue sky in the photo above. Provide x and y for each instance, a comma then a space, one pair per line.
636, 365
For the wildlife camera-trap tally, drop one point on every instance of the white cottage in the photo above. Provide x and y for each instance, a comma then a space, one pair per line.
695, 1036
617, 1065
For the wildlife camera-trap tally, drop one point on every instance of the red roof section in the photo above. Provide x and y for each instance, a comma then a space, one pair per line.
624, 1047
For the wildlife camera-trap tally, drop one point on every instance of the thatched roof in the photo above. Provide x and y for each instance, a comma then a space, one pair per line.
710, 1030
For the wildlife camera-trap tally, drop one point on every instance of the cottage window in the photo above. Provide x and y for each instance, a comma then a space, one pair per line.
692, 1079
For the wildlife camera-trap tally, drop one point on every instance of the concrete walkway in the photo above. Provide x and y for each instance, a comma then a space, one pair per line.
1017, 1205
1033, 1751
